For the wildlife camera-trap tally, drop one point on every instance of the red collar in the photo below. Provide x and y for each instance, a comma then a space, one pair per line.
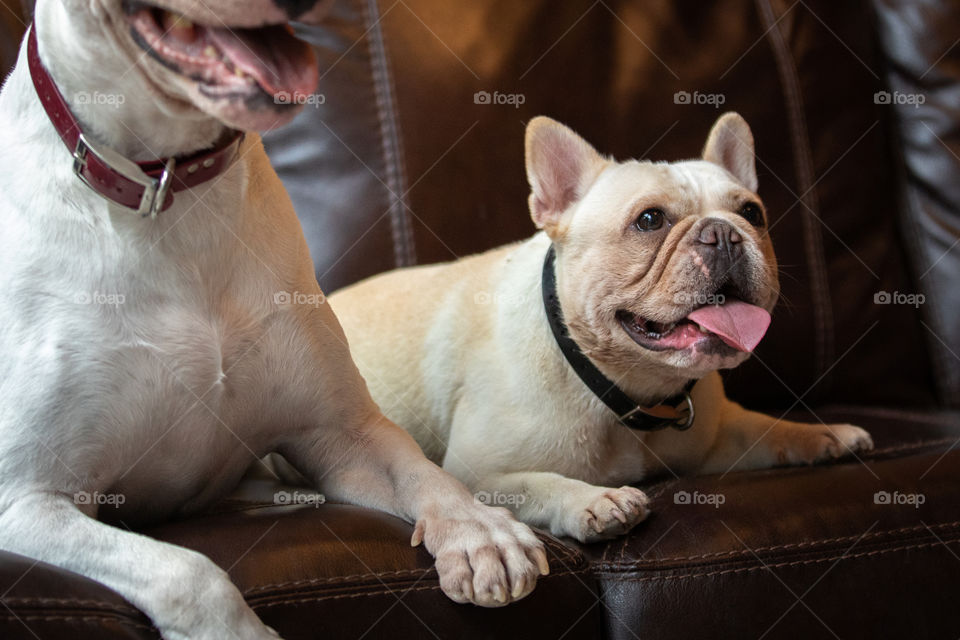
146, 191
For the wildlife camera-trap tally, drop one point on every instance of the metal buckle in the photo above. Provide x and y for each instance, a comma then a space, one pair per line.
682, 424
154, 189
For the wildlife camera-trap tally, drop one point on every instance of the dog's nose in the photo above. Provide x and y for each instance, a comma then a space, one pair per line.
719, 245
719, 233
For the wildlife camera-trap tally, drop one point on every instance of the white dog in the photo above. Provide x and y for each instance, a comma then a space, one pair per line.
144, 363
548, 373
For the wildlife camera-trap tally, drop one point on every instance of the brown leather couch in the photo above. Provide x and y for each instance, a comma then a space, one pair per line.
400, 165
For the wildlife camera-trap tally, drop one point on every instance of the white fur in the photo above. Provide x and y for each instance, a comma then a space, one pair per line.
167, 395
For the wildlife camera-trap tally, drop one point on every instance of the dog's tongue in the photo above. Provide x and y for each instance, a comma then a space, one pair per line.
739, 324
279, 62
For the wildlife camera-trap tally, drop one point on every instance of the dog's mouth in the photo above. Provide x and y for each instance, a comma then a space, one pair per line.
731, 325
227, 62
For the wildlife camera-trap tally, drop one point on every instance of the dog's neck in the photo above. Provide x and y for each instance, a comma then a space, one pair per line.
107, 94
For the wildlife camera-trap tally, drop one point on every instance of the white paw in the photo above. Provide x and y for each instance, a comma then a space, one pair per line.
819, 443
607, 513
484, 555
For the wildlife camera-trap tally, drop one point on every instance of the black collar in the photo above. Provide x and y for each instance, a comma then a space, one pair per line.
676, 411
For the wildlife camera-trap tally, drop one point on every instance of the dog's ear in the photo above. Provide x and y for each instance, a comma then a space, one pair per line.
730, 145
561, 166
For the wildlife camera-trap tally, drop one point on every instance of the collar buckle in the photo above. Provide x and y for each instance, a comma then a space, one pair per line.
682, 420
154, 189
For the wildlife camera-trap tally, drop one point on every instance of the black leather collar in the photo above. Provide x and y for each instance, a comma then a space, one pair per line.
676, 411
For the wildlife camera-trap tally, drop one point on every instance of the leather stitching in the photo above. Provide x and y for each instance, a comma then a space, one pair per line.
69, 602
564, 554
822, 309
85, 619
338, 596
684, 576
799, 545
390, 143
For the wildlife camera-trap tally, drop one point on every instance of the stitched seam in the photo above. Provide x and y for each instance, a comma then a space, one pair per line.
70, 602
684, 576
564, 554
912, 445
288, 601
822, 308
390, 145
96, 619
799, 545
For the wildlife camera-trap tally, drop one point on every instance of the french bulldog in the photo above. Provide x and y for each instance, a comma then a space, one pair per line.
551, 374
144, 356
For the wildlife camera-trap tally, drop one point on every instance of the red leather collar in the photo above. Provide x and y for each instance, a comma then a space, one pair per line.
146, 191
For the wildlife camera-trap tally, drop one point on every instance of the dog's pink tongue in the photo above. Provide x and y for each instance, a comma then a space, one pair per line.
739, 324
282, 65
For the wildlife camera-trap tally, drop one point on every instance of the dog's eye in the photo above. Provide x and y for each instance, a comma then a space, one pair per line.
650, 220
752, 213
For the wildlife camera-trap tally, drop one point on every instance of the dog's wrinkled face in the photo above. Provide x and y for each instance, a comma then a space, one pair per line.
667, 263
235, 61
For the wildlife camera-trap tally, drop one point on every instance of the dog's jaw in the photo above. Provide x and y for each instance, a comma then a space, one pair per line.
116, 103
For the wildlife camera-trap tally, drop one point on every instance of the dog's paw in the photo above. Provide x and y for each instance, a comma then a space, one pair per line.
608, 513
809, 444
483, 554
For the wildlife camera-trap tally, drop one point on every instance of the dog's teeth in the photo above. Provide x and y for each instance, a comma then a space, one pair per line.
702, 330
211, 52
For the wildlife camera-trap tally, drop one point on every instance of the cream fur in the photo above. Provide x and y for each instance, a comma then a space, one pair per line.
461, 354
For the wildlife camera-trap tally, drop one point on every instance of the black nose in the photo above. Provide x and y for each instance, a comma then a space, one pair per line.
719, 244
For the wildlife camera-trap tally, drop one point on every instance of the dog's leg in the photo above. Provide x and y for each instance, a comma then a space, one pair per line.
752, 440
351, 452
185, 595
565, 506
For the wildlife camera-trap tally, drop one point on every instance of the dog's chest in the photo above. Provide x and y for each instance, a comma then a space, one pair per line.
150, 357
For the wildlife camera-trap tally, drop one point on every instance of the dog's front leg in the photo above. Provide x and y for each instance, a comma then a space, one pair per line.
483, 554
352, 453
752, 440
565, 506
185, 595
